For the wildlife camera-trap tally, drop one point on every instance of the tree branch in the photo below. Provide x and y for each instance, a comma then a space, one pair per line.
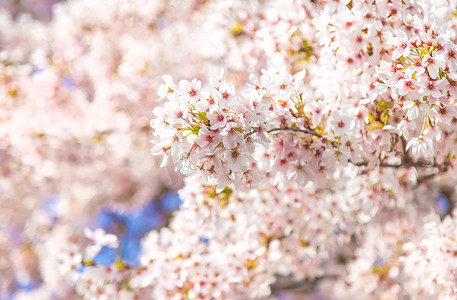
296, 129
406, 160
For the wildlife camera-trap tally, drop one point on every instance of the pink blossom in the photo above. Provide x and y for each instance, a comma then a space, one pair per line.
420, 145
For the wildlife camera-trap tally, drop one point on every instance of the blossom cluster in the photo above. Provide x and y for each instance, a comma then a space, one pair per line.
373, 107
318, 163
215, 131
419, 81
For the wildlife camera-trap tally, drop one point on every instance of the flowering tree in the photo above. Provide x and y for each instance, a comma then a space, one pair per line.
318, 153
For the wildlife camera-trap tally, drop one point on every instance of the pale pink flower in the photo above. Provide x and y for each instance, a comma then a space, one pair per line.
444, 115
430, 88
217, 119
190, 89
225, 94
426, 22
420, 145
413, 109
451, 55
231, 137
167, 88
405, 85
340, 123
185, 166
433, 65
207, 139
400, 44
236, 161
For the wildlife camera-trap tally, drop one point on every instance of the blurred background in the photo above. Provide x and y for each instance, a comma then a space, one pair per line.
78, 83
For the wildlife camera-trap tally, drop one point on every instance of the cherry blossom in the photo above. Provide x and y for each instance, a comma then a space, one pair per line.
311, 145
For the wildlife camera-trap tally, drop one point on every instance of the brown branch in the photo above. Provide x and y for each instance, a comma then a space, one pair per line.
296, 129
285, 283
406, 160
406, 163
443, 168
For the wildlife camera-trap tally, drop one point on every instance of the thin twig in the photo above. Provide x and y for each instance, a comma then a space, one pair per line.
307, 131
406, 160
